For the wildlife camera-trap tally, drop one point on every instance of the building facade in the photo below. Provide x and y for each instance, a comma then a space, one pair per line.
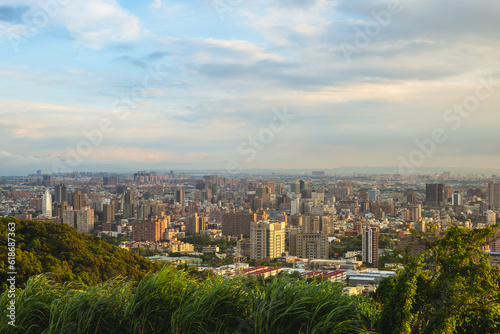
267, 239
369, 251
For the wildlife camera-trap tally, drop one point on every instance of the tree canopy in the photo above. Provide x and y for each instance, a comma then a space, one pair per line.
449, 288
71, 256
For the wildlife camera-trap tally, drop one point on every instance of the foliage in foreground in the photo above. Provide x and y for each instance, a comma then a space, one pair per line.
450, 288
170, 301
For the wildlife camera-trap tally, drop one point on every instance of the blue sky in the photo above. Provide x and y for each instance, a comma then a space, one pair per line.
188, 84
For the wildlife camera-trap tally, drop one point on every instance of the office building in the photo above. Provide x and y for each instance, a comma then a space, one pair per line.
434, 194
374, 194
61, 193
267, 239
129, 204
456, 198
370, 236
295, 187
180, 196
47, 204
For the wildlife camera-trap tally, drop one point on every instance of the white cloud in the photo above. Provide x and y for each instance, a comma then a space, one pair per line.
96, 23
92, 23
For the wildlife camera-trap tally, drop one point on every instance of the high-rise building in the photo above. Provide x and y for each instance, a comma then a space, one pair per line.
61, 193
180, 196
374, 194
47, 204
237, 223
310, 224
494, 195
267, 239
47, 180
370, 238
271, 185
85, 220
295, 187
151, 229
309, 245
60, 208
434, 194
82, 220
416, 213
294, 206
129, 205
195, 224
78, 200
109, 212
110, 181
456, 198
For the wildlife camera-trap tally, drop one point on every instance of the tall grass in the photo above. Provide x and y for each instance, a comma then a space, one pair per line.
32, 305
217, 306
170, 301
289, 306
97, 309
156, 298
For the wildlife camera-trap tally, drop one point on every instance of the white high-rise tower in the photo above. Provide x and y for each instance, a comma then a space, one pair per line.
47, 204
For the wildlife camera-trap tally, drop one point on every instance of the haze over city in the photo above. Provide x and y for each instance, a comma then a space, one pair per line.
131, 85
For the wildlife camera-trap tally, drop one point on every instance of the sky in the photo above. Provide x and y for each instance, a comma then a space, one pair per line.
108, 85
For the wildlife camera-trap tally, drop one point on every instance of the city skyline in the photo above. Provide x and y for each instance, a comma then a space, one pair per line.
107, 85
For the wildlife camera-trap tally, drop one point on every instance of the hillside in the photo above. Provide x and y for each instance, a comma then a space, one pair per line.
71, 256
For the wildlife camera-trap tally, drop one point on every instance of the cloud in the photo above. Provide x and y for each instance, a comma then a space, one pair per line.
92, 23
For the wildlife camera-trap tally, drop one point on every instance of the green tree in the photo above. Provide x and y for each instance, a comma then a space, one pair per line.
449, 288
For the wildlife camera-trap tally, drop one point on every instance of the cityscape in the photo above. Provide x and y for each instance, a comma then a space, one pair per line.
250, 167
279, 218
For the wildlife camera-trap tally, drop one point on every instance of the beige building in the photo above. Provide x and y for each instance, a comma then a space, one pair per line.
267, 239
309, 245
491, 217
494, 195
82, 220
311, 224
195, 224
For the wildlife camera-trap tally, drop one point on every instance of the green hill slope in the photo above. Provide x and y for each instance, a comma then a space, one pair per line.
71, 256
